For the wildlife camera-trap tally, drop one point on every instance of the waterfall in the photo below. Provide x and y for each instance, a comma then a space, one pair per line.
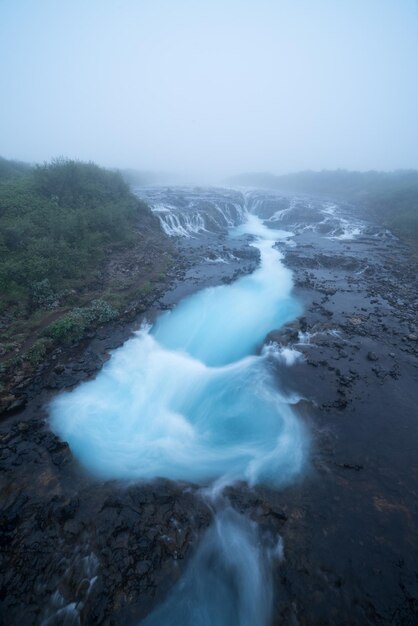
228, 581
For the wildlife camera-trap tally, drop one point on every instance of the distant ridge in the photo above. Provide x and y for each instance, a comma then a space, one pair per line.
12, 169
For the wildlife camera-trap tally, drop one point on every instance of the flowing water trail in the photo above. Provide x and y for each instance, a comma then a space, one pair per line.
190, 399
229, 579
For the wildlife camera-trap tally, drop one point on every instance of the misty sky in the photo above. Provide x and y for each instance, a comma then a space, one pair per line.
212, 87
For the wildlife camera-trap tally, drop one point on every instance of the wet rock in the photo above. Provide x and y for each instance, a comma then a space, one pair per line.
350, 466
328, 291
328, 261
285, 336
340, 403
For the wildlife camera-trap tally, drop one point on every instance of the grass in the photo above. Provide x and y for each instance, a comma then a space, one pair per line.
61, 224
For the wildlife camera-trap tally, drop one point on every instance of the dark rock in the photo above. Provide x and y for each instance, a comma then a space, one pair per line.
356, 467
285, 336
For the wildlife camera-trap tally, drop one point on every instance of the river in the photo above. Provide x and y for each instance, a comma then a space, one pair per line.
193, 398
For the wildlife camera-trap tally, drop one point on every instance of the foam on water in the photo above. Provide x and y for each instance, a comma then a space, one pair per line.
284, 354
345, 230
188, 399
350, 231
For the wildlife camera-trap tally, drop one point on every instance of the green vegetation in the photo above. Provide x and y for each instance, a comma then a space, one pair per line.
72, 326
12, 169
38, 351
77, 249
390, 197
57, 224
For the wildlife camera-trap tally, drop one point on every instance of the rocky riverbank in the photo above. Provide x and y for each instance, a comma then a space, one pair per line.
85, 551
74, 548
352, 531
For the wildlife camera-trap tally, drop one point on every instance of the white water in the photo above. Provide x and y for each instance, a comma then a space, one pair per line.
194, 399
283, 354
189, 400
65, 607
184, 226
205, 215
346, 229
229, 580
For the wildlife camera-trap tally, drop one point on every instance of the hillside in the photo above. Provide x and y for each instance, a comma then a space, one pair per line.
77, 249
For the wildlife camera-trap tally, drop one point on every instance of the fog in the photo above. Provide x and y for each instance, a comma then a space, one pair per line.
211, 88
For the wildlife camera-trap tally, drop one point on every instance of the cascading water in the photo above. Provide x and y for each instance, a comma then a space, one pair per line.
180, 401
189, 400
196, 212
228, 581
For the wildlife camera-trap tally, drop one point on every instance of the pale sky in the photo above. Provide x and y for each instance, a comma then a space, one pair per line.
211, 88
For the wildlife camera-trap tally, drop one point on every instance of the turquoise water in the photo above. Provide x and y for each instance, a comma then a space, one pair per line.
188, 399
228, 581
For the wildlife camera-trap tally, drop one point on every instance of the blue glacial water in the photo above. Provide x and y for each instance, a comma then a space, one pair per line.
228, 581
193, 399
189, 399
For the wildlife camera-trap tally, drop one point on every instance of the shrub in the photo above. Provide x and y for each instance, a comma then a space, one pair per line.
43, 296
38, 351
146, 288
103, 311
69, 328
72, 326
57, 224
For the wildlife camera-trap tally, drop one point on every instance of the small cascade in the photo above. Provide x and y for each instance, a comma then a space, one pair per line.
69, 599
197, 212
228, 581
180, 224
